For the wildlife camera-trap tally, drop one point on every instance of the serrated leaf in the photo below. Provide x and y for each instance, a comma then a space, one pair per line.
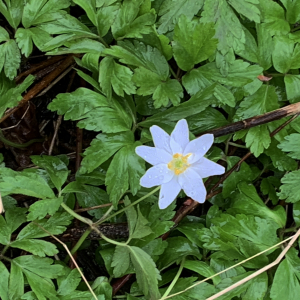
142, 228
140, 55
16, 282
41, 208
258, 139
10, 97
89, 7
26, 37
129, 23
243, 174
170, 11
273, 16
292, 10
115, 76
69, 283
286, 280
228, 28
25, 184
102, 148
248, 8
93, 110
12, 10
38, 11
124, 172
55, 168
121, 261
147, 274
264, 43
10, 58
189, 46
289, 189
292, 85
4, 275
291, 145
37, 247
57, 224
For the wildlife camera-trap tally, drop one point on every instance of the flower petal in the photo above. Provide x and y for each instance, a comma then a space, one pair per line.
156, 175
161, 139
180, 134
205, 168
153, 155
198, 147
192, 185
176, 148
168, 192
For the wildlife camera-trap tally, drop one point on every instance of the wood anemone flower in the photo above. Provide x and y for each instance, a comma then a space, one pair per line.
178, 163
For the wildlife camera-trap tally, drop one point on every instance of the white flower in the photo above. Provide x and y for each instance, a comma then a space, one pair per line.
178, 163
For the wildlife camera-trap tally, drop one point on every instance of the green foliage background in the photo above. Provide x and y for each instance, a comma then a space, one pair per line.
156, 62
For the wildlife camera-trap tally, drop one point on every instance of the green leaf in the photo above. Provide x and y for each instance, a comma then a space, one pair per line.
10, 58
286, 280
106, 16
257, 139
124, 172
264, 100
37, 247
14, 217
291, 145
69, 283
163, 91
147, 274
292, 85
285, 56
4, 275
273, 17
10, 97
202, 268
247, 201
102, 148
178, 247
141, 229
121, 261
41, 208
39, 11
189, 47
16, 282
57, 224
292, 10
129, 23
269, 186
26, 37
243, 174
258, 288
248, 8
29, 184
116, 76
229, 30
89, 7
296, 213
170, 11
93, 110
290, 187
55, 168
265, 43
279, 159
140, 55
12, 11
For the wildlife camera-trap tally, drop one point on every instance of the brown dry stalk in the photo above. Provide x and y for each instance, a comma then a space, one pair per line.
40, 85
289, 110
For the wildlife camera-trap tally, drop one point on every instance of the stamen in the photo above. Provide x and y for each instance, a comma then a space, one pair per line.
179, 163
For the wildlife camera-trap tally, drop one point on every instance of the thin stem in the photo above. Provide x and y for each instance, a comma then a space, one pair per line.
237, 145
77, 216
173, 73
107, 239
130, 205
169, 289
79, 243
4, 250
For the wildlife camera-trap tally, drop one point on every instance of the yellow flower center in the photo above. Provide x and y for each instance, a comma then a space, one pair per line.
179, 163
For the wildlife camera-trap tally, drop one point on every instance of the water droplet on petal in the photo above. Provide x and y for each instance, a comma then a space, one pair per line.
161, 177
150, 176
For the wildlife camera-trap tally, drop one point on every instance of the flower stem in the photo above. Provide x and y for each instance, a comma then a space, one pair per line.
125, 208
75, 215
169, 289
